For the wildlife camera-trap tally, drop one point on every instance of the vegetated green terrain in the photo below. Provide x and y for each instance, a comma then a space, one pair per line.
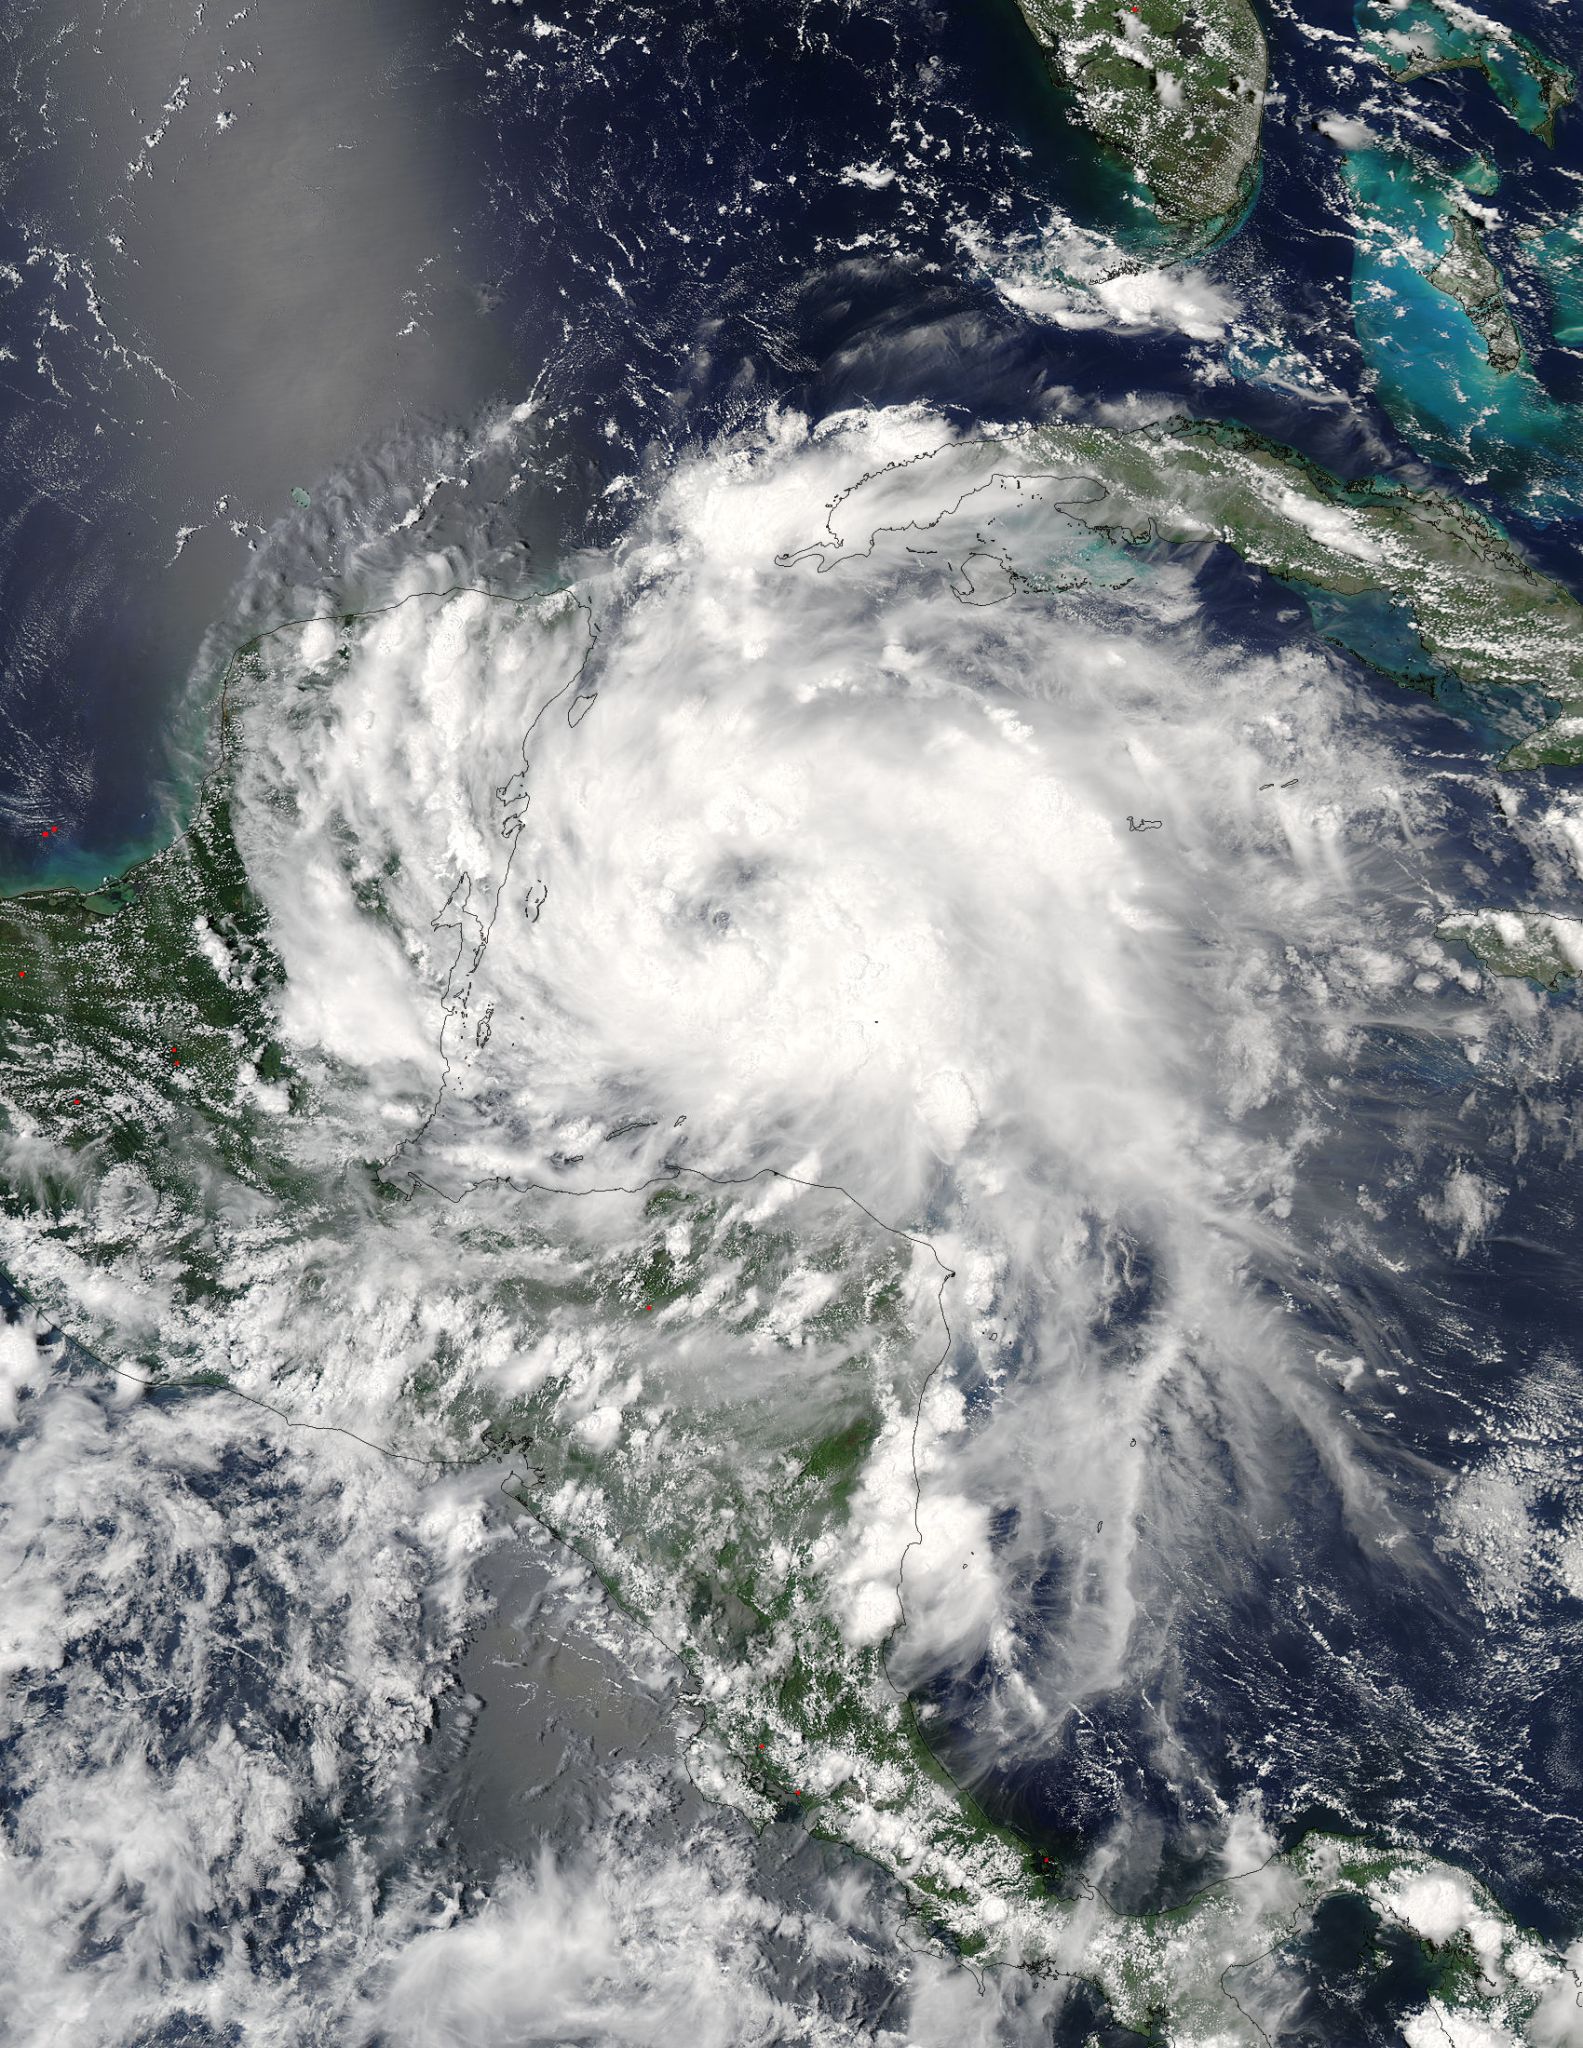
1417, 582
1531, 945
1415, 38
1175, 86
137, 1054
1467, 274
715, 1391
1479, 610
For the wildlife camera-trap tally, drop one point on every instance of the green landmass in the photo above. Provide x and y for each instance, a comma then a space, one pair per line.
1416, 581
1528, 945
715, 1517
1415, 38
1467, 274
1477, 609
1426, 318
138, 1054
731, 1385
1175, 86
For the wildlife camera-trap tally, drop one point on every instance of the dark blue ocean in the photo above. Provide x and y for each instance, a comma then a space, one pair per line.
649, 220
645, 218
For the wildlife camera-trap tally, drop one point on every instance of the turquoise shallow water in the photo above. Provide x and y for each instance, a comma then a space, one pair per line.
791, 241
1376, 629
1430, 362
1379, 631
1514, 66
1560, 258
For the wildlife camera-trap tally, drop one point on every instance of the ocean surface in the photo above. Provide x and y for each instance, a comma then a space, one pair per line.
652, 224
315, 249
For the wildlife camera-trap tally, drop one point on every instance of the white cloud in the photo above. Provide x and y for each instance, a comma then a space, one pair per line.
23, 1369
1076, 279
764, 864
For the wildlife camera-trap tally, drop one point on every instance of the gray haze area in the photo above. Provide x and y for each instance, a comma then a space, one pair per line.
234, 245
